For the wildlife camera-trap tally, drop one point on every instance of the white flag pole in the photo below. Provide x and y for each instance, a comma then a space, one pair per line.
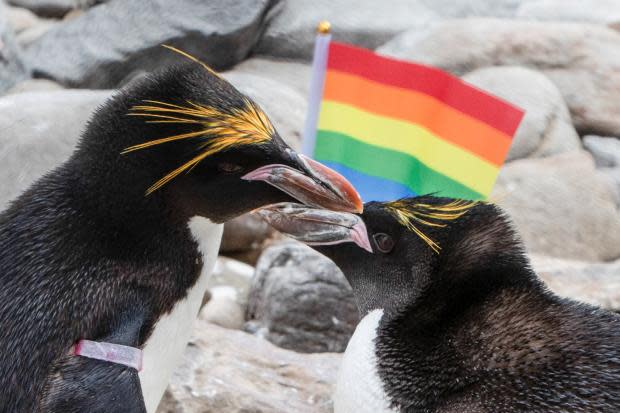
319, 65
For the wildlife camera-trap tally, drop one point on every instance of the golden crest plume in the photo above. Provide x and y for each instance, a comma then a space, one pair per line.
408, 212
220, 130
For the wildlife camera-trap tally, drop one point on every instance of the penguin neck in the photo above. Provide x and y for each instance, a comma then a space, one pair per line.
437, 338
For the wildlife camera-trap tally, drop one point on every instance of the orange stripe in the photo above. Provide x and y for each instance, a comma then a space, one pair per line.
410, 106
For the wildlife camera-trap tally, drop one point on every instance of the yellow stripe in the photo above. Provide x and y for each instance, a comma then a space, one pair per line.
438, 154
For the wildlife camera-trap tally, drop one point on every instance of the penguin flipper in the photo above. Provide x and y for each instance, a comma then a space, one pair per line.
80, 384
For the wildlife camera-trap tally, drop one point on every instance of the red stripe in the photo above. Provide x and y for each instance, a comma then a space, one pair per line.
441, 85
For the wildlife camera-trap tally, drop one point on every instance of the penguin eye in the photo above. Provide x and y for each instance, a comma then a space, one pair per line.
229, 168
384, 242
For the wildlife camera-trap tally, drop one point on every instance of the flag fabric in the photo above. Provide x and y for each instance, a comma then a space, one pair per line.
396, 128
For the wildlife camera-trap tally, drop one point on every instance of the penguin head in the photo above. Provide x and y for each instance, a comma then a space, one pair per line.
186, 137
394, 253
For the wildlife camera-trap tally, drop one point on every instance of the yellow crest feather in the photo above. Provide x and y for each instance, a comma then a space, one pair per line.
192, 58
408, 213
247, 125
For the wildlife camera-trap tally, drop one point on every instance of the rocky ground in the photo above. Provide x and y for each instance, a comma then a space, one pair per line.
557, 59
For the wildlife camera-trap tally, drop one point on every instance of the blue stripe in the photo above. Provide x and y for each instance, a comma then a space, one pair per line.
371, 188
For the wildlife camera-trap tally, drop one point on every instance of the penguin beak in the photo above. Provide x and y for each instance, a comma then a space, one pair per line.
316, 226
311, 183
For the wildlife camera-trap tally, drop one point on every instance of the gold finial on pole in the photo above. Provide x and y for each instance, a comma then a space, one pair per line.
323, 27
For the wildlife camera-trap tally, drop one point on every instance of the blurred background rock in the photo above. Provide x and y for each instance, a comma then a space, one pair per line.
557, 59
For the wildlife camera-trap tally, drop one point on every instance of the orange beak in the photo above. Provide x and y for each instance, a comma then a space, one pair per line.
314, 185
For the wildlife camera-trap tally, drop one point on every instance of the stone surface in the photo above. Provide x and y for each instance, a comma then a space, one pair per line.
111, 41
596, 11
223, 308
294, 74
284, 105
605, 150
227, 371
12, 65
592, 283
39, 131
467, 8
292, 32
546, 128
583, 60
30, 35
20, 19
606, 153
245, 233
233, 274
54, 8
301, 301
562, 206
34, 85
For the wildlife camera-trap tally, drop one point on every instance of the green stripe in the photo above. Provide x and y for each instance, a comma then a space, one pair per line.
388, 164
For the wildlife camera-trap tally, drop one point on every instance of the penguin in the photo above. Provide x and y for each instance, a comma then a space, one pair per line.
454, 319
110, 251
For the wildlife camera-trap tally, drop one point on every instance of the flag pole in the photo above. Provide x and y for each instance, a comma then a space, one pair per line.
319, 64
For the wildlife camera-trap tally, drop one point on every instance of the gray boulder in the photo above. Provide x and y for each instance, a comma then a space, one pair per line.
294, 74
232, 274
112, 41
546, 128
595, 11
34, 85
54, 8
232, 371
562, 206
592, 283
284, 105
292, 32
467, 8
583, 60
39, 131
12, 65
245, 233
301, 301
20, 19
606, 153
605, 150
223, 308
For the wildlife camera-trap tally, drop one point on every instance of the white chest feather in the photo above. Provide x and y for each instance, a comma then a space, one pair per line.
359, 388
164, 349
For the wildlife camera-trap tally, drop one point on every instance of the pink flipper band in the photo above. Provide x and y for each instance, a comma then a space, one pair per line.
114, 353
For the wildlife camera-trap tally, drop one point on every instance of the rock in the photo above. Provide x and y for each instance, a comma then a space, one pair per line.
546, 128
107, 43
292, 32
300, 300
30, 35
490, 8
227, 371
613, 174
593, 283
233, 274
53, 8
285, 106
595, 11
583, 60
39, 131
606, 151
295, 75
223, 308
34, 85
245, 233
562, 206
21, 19
12, 65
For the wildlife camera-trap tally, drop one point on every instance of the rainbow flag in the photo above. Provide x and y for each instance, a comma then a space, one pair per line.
395, 128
